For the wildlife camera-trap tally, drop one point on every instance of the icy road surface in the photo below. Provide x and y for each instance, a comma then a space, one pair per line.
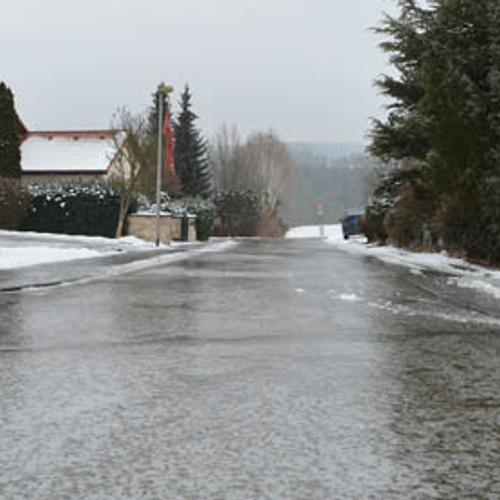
275, 370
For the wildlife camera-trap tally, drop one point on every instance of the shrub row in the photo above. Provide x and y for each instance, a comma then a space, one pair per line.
86, 209
93, 210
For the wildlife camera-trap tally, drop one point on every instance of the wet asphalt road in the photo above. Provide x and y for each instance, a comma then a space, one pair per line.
275, 370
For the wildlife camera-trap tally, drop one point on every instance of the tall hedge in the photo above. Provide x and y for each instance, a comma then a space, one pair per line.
84, 209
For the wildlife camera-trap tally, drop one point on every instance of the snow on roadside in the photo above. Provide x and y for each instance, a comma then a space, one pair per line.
11, 258
52, 239
19, 249
462, 273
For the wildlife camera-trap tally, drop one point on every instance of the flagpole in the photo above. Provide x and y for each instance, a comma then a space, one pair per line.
163, 90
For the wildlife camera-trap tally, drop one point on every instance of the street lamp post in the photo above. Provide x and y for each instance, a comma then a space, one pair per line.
163, 91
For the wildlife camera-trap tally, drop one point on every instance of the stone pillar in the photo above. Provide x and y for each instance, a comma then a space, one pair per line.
143, 226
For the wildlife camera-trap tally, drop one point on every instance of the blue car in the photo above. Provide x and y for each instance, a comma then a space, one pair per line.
350, 223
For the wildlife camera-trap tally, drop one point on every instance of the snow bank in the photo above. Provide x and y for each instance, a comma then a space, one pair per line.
22, 249
19, 250
94, 241
28, 249
416, 261
11, 258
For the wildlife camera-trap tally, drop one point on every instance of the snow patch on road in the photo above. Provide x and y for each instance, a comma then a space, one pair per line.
471, 318
217, 245
349, 297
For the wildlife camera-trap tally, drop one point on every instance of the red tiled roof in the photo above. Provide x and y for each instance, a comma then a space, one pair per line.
106, 133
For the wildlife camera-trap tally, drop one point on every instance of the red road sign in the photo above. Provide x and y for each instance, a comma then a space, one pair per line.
319, 208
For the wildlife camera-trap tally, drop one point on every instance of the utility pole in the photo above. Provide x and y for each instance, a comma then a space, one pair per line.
162, 92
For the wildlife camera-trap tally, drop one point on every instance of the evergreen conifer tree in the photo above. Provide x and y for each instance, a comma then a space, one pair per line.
461, 75
402, 135
191, 152
462, 95
10, 152
153, 115
444, 117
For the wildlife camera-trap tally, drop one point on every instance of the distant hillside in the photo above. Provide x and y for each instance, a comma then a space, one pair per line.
340, 176
325, 150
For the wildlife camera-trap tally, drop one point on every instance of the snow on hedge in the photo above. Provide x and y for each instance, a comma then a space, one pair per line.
189, 207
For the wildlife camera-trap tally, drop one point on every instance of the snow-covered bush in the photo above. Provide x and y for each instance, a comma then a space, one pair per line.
73, 208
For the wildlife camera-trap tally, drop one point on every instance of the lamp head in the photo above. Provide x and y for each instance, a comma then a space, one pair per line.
165, 89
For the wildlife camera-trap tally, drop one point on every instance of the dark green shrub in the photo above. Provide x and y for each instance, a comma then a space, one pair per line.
85, 209
374, 228
237, 212
205, 218
409, 218
14, 203
402, 185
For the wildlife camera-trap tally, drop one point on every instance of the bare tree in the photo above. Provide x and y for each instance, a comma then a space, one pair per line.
224, 153
267, 167
261, 164
132, 154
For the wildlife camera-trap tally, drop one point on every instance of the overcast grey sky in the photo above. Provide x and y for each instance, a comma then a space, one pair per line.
303, 67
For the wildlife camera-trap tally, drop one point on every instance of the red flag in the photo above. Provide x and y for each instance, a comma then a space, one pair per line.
169, 142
